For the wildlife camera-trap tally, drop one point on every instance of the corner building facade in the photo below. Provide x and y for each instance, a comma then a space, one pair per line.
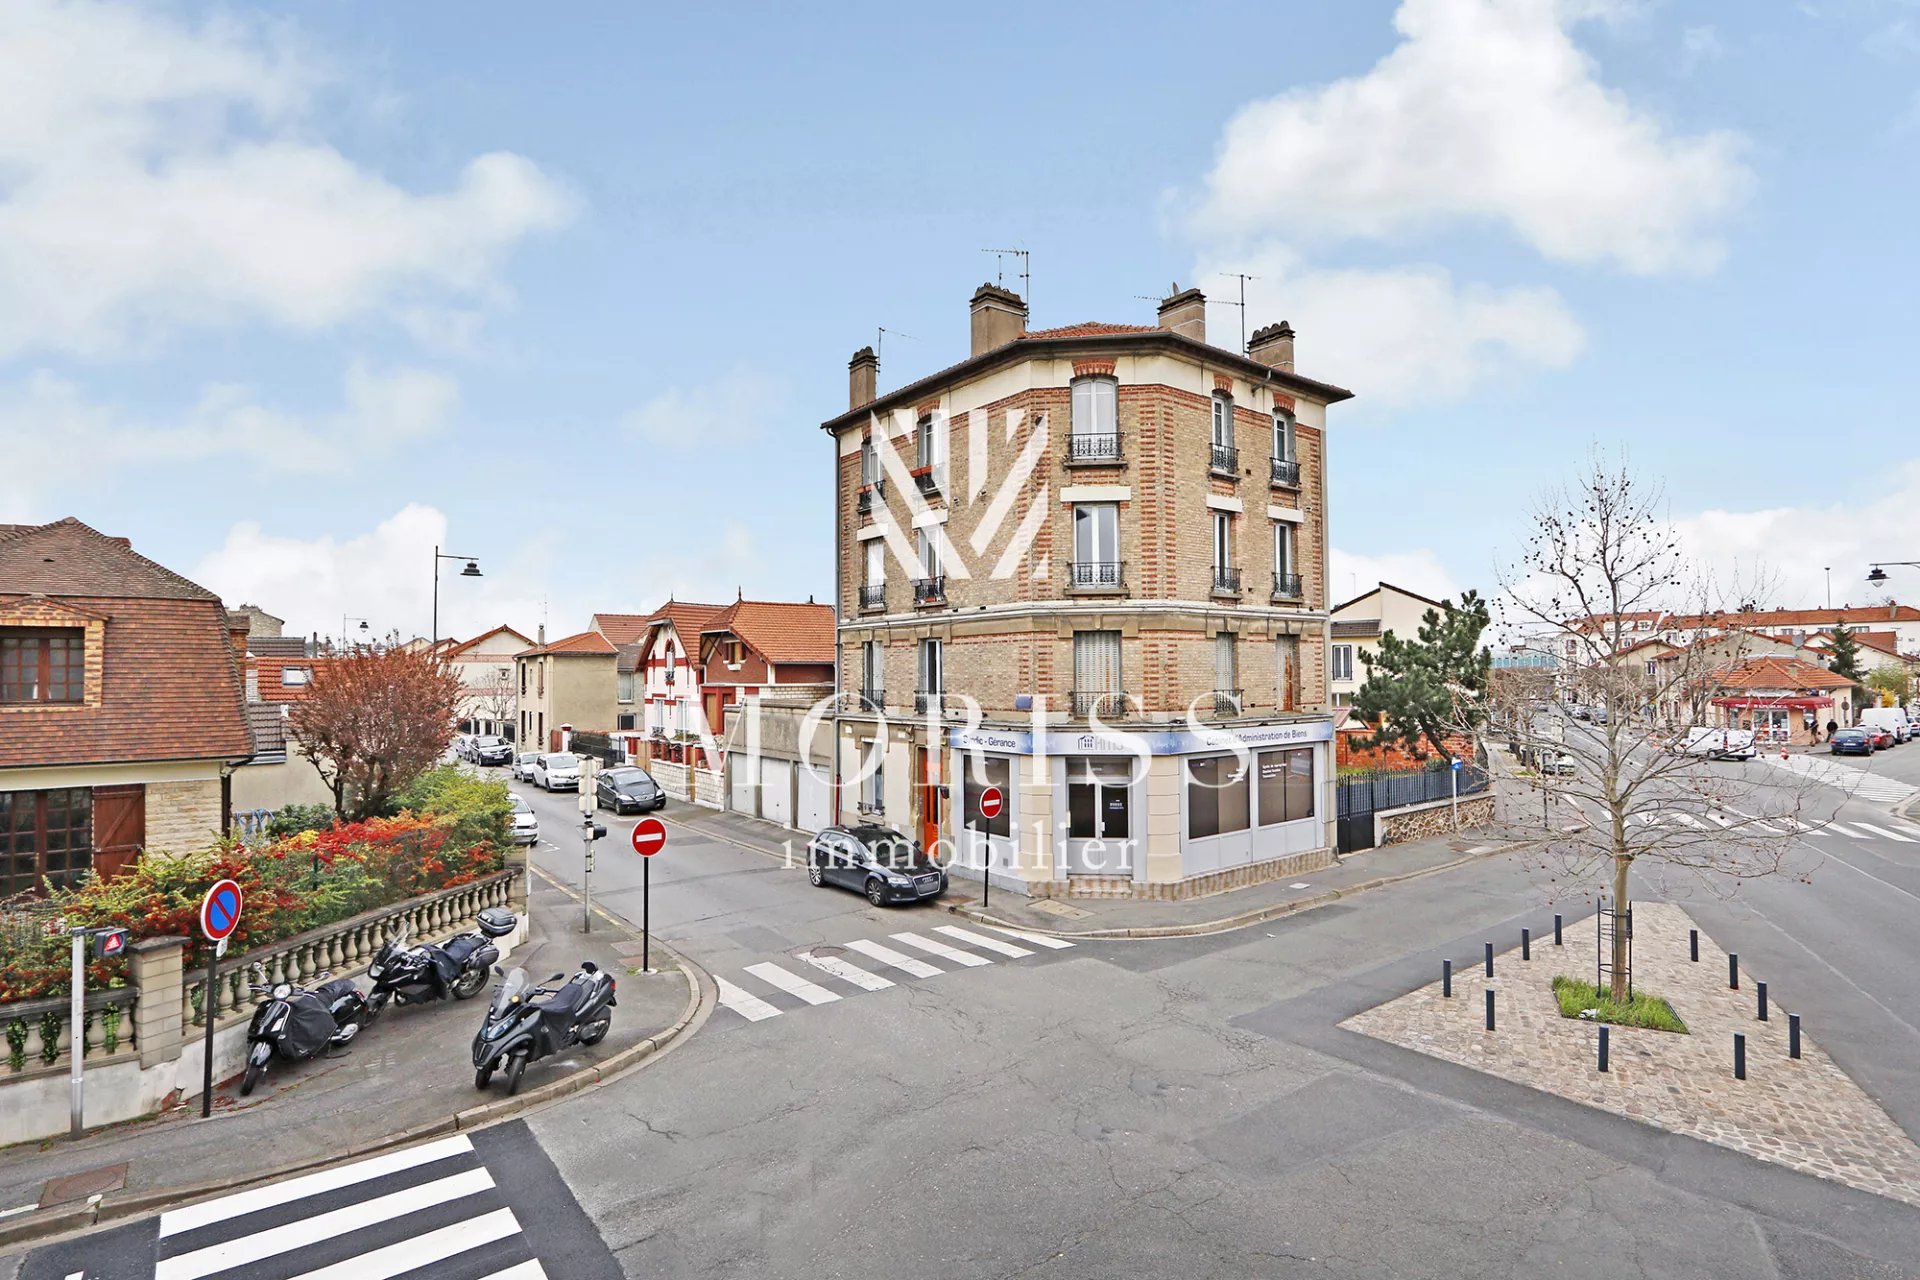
1085, 569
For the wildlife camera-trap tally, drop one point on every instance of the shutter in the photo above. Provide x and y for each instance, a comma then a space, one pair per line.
1096, 661
119, 828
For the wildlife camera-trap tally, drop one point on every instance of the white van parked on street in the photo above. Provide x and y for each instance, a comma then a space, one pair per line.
1892, 719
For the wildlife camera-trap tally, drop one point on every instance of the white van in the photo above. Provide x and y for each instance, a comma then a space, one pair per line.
1718, 744
1892, 719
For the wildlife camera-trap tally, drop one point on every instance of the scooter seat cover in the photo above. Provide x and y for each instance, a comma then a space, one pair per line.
334, 990
310, 1026
565, 1002
458, 949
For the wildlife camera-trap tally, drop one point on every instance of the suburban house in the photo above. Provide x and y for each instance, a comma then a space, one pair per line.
1793, 626
1081, 582
1783, 700
122, 708
1356, 627
1877, 650
668, 664
568, 683
628, 632
489, 697
764, 666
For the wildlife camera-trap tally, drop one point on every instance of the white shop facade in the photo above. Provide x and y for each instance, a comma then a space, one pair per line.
1151, 813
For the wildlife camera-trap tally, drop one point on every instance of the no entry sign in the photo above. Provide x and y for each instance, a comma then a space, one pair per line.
220, 911
991, 802
649, 837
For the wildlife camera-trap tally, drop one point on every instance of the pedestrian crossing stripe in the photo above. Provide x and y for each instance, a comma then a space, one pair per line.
1882, 831
794, 985
435, 1246
744, 1003
194, 1216
983, 942
847, 972
1038, 939
899, 960
935, 947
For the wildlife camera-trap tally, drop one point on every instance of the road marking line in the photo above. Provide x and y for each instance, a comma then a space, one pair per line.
528, 1270
1884, 831
421, 1251
744, 1003
1688, 820
1721, 819
309, 1231
1842, 829
313, 1184
899, 960
934, 947
847, 972
982, 941
792, 983
1037, 939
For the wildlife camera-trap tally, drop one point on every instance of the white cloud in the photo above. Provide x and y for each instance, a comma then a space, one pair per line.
1487, 112
1408, 335
155, 176
725, 413
1419, 570
55, 438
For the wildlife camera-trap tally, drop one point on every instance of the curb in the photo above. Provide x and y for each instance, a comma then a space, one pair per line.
1228, 924
62, 1220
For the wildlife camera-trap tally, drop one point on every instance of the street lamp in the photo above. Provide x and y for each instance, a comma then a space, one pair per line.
1879, 575
471, 571
345, 618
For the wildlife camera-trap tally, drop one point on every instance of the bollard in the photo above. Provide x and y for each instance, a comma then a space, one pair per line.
1761, 988
1693, 945
1489, 959
1603, 1048
1446, 978
1739, 1056
1526, 944
1793, 1035
1556, 928
1489, 1008
1733, 971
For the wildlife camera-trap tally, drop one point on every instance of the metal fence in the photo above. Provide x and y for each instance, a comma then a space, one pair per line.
1359, 797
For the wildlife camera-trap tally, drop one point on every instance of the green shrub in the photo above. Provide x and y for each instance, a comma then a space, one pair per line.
1576, 996
295, 818
473, 810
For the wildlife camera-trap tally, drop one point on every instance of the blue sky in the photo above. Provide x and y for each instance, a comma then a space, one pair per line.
286, 300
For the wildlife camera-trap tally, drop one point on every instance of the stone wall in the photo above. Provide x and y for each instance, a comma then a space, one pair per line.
183, 816
1198, 887
1435, 818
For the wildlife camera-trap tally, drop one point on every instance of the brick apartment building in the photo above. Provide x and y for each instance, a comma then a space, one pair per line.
1174, 496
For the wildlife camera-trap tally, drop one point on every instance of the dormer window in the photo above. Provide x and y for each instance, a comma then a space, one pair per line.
295, 677
43, 665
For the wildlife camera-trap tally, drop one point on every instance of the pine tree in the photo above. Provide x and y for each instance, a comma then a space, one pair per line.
1844, 658
1422, 691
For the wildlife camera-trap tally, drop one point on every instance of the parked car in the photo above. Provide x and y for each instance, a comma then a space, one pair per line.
628, 790
1892, 719
557, 771
877, 861
1582, 712
523, 765
1562, 764
459, 745
1883, 738
526, 823
1599, 715
1851, 742
1718, 744
489, 749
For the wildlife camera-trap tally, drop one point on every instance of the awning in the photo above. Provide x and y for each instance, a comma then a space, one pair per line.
1810, 702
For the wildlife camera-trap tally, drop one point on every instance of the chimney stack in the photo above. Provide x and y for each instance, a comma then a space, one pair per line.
1273, 345
863, 378
999, 316
1186, 314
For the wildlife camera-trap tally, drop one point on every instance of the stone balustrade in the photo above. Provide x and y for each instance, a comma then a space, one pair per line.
39, 1033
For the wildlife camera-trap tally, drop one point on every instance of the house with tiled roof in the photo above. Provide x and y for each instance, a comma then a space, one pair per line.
764, 664
1877, 649
669, 669
489, 700
122, 706
565, 684
1781, 699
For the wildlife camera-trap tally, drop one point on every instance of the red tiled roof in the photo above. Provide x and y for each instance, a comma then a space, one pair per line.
1779, 673
582, 642
171, 681
502, 629
688, 618
780, 631
622, 628
1088, 329
269, 672
1884, 641
1754, 620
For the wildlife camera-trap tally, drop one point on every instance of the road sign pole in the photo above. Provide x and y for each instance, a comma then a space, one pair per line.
208, 1003
586, 877
79, 1047
1454, 774
646, 924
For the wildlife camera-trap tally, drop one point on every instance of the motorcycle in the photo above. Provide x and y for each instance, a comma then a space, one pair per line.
457, 967
525, 1023
296, 1024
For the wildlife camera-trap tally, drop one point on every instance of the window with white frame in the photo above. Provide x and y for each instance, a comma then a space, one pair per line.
933, 668
1284, 441
873, 788
1096, 544
871, 667
1282, 548
1222, 540
869, 461
1226, 662
876, 562
929, 549
625, 693
1222, 420
1094, 402
1096, 662
1340, 662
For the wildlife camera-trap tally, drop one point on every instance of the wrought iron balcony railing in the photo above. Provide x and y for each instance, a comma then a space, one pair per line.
930, 590
1093, 448
1286, 586
1097, 575
928, 478
1226, 702
1286, 471
1226, 581
925, 700
873, 597
867, 699
1108, 704
1224, 459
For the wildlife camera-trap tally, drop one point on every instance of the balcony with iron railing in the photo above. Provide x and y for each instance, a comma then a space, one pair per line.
1108, 704
927, 477
871, 493
1226, 581
1286, 473
1286, 586
1226, 702
1223, 460
1093, 449
873, 700
925, 700
873, 597
1097, 577
929, 592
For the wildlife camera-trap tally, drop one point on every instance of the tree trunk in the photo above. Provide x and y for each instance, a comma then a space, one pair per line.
1620, 939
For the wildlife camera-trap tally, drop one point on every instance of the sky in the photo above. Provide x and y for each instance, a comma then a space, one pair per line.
290, 296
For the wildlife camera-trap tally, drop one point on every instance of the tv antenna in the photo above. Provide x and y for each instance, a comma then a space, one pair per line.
1000, 257
1242, 277
880, 340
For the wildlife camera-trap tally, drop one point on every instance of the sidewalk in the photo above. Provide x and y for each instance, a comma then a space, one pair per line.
407, 1076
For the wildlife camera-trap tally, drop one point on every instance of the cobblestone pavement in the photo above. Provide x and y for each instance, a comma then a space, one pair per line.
1808, 1115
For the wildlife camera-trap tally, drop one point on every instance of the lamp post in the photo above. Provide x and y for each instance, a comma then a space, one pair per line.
471, 571
345, 618
1879, 575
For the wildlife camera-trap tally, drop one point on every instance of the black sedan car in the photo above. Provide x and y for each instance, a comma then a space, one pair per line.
628, 790
877, 861
488, 749
1852, 742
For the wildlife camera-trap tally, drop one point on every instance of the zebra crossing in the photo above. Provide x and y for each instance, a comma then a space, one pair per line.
828, 974
1706, 822
428, 1212
1861, 784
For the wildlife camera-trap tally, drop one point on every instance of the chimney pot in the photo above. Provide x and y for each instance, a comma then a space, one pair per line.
1273, 345
863, 378
1186, 314
999, 316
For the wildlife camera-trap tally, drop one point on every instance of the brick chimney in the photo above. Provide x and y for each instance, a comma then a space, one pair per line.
1273, 345
1186, 314
863, 378
999, 316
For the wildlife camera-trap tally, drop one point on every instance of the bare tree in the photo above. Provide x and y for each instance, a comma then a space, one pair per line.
494, 698
373, 720
1604, 586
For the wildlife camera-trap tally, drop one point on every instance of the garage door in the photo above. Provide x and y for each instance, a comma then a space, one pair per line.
740, 780
816, 800
776, 791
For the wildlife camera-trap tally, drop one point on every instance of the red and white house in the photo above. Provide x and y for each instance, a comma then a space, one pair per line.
753, 645
668, 662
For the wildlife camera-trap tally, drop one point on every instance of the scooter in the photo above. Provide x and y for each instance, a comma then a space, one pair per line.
296, 1024
457, 967
522, 1026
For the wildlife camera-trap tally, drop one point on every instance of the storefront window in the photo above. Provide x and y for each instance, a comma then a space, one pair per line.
1286, 785
1217, 797
981, 773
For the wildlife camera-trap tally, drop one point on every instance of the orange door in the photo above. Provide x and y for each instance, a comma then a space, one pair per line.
931, 799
